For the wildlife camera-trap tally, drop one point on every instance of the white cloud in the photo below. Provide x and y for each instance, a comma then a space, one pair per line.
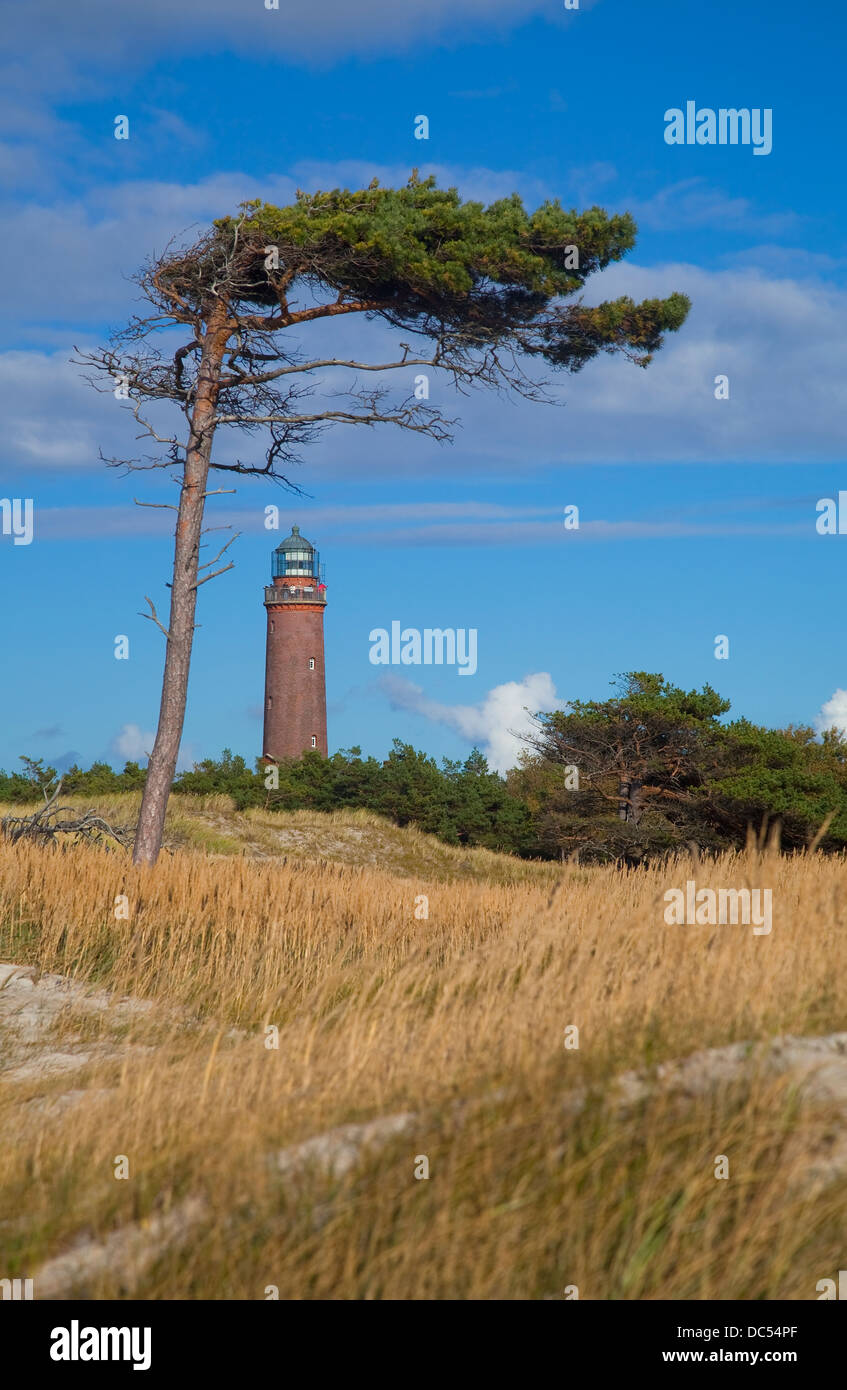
72, 42
131, 744
495, 724
74, 257
53, 418
779, 338
833, 713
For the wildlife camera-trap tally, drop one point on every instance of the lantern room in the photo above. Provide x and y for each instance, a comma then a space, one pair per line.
296, 558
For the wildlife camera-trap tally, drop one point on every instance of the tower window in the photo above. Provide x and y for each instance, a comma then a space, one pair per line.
270, 701
314, 741
311, 663
272, 624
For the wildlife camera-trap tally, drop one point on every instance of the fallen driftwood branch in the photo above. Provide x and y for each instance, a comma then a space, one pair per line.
45, 825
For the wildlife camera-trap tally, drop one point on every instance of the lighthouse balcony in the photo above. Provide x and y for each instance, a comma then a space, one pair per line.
307, 592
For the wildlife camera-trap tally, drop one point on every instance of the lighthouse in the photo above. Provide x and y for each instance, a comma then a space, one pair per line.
295, 681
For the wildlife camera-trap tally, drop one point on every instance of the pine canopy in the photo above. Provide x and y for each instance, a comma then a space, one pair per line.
428, 261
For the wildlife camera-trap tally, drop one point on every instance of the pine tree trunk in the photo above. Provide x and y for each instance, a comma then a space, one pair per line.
162, 766
629, 799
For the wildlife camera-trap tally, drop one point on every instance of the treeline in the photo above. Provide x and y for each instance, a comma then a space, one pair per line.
461, 802
630, 778
654, 768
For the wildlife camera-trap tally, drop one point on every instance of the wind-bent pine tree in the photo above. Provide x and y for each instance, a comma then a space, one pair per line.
651, 739
480, 292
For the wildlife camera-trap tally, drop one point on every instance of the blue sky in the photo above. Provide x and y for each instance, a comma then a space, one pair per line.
697, 516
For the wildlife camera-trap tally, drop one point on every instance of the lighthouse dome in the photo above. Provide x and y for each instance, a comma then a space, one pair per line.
295, 555
295, 541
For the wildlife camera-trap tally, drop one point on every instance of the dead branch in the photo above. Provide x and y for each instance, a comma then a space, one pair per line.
231, 540
45, 826
154, 617
205, 580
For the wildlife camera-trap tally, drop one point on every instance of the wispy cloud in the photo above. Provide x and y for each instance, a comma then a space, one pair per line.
785, 262
76, 42
417, 524
553, 533
496, 724
171, 127
696, 203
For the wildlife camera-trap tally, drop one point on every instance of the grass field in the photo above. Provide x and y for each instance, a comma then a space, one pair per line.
294, 986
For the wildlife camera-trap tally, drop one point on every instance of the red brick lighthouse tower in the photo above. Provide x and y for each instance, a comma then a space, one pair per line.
295, 681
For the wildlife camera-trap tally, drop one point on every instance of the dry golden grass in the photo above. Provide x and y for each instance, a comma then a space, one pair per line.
458, 1018
357, 837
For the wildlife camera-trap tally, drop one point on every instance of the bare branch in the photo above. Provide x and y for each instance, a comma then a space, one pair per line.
219, 554
349, 417
230, 566
49, 802
147, 428
154, 617
259, 378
